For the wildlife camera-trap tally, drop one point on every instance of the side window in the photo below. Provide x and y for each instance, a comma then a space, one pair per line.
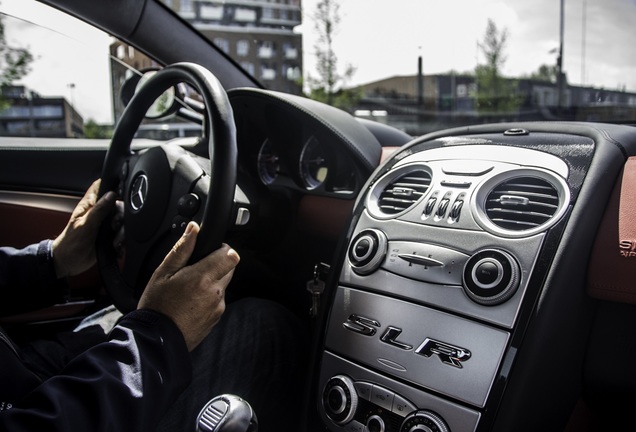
63, 89
70, 80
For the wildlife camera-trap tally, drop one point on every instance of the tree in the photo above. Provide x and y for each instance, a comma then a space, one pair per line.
546, 73
15, 63
329, 84
93, 130
494, 92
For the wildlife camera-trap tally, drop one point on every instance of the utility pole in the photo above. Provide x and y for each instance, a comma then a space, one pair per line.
72, 87
560, 80
583, 29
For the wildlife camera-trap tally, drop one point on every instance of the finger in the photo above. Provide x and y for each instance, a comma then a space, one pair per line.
90, 196
101, 209
178, 257
88, 200
219, 263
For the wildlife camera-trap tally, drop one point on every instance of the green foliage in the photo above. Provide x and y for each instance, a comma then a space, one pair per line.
96, 131
15, 63
546, 73
494, 92
344, 99
328, 85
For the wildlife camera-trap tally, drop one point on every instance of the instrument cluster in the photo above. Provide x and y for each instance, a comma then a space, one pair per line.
298, 144
310, 166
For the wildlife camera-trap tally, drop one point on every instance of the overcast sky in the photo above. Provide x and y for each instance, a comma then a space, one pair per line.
384, 37
381, 38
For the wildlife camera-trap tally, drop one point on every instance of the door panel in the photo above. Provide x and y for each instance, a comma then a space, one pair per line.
41, 181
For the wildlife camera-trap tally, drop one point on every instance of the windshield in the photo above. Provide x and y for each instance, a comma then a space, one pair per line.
417, 65
423, 65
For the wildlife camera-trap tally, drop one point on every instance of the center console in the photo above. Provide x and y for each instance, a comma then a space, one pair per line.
440, 269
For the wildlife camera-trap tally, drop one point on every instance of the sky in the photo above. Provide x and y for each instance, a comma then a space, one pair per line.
380, 38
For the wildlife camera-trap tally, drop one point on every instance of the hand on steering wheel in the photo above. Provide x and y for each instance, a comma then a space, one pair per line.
165, 187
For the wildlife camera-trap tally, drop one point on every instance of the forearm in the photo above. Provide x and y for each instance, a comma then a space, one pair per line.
126, 383
27, 278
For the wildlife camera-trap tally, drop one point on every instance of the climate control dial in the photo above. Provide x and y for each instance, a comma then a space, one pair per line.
491, 276
367, 251
339, 399
423, 421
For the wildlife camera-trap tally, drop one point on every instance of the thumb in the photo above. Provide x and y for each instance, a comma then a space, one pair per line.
180, 253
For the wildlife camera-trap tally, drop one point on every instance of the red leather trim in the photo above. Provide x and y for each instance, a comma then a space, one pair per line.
324, 216
21, 226
612, 269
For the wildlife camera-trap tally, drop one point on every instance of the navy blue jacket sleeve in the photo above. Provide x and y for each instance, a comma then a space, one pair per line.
124, 384
28, 280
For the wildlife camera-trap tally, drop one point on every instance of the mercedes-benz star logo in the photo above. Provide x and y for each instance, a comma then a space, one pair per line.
139, 192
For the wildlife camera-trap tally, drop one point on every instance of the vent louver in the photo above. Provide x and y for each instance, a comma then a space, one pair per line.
522, 203
403, 192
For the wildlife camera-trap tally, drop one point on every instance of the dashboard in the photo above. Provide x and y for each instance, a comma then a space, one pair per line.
462, 275
295, 143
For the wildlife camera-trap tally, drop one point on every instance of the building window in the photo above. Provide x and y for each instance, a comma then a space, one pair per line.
245, 15
186, 6
268, 13
51, 126
243, 48
18, 128
209, 12
292, 73
249, 67
48, 111
223, 44
266, 49
268, 73
15, 111
290, 51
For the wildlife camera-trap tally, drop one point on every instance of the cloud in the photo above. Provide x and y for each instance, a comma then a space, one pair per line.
384, 37
66, 51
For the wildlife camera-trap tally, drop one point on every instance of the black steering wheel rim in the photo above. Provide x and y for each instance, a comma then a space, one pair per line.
221, 131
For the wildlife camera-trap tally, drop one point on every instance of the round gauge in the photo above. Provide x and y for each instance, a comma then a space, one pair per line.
313, 164
268, 163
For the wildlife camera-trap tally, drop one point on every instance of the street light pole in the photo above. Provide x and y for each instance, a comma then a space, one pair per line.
72, 87
560, 80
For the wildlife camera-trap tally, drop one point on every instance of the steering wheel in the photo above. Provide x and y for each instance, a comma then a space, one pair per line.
166, 186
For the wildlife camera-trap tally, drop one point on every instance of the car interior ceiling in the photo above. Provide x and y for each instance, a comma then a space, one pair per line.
465, 322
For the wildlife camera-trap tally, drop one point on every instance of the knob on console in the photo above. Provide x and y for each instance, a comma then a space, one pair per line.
423, 421
367, 251
491, 276
339, 399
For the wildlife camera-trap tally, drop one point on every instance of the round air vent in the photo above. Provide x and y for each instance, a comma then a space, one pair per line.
399, 190
521, 202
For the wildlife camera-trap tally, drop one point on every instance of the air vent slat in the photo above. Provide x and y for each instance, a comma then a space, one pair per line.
514, 224
527, 194
522, 203
552, 207
403, 192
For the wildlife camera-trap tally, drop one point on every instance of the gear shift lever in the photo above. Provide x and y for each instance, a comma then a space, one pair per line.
227, 413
